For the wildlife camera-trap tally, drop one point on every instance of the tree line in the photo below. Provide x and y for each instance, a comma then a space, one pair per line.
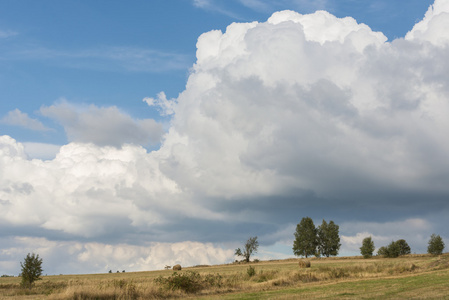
400, 247
324, 240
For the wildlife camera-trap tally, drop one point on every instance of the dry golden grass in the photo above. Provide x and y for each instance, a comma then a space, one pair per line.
343, 278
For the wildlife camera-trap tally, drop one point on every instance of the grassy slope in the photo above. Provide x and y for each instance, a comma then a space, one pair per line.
415, 276
433, 285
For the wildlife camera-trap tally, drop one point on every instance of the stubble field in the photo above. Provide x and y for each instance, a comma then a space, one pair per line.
408, 277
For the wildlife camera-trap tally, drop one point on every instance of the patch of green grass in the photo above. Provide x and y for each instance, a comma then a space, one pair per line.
422, 286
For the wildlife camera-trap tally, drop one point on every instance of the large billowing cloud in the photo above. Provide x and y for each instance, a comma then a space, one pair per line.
310, 102
300, 115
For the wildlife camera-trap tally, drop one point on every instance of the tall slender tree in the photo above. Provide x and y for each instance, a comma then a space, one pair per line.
305, 242
436, 245
367, 248
328, 238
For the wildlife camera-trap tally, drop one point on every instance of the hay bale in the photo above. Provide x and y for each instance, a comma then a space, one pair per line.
303, 263
177, 268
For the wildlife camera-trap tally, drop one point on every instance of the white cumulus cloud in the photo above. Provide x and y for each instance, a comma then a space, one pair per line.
300, 100
431, 28
166, 106
302, 114
86, 190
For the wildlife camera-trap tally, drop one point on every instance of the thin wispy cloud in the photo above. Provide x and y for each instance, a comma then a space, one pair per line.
7, 33
202, 3
131, 59
257, 5
217, 6
267, 6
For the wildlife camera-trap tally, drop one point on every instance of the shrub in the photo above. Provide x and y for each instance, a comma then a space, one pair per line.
213, 280
251, 271
190, 281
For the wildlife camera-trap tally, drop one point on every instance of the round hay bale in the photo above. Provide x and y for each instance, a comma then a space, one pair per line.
177, 268
303, 263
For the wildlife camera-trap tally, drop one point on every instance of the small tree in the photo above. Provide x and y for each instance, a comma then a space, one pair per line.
403, 247
392, 250
395, 249
367, 248
305, 242
328, 238
31, 269
436, 245
382, 251
250, 247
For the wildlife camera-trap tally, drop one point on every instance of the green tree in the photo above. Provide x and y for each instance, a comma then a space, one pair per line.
31, 269
305, 242
436, 245
367, 248
395, 249
382, 251
328, 238
251, 247
403, 247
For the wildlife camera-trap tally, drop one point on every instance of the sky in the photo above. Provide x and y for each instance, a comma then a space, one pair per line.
139, 134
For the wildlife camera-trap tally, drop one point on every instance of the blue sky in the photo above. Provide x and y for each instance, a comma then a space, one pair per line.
174, 130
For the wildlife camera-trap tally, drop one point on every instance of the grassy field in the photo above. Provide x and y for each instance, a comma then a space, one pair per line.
409, 277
